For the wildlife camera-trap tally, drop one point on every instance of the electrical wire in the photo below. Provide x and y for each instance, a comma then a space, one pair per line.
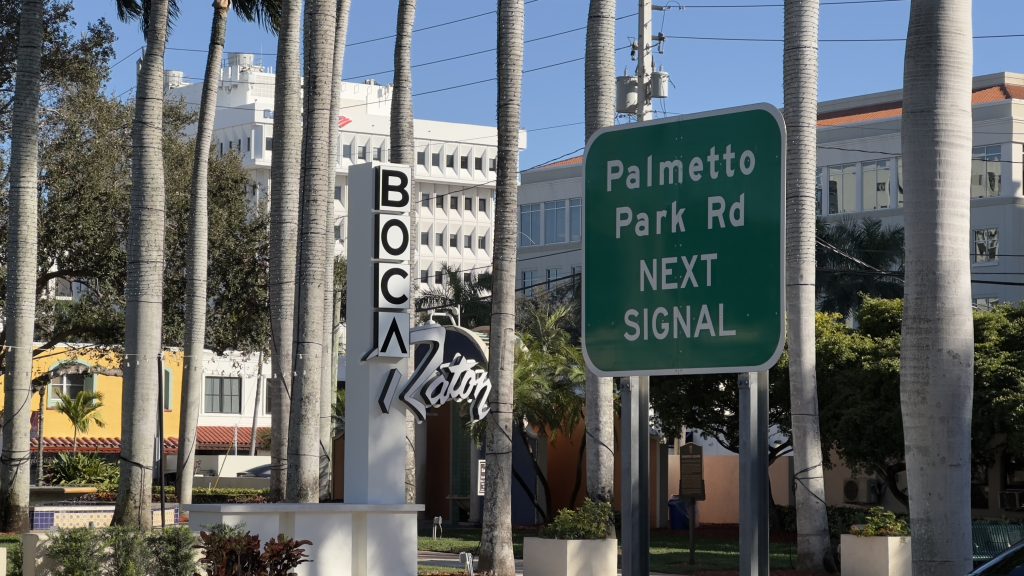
824, 40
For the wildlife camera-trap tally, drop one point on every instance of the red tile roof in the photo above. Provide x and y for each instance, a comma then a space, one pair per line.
210, 438
895, 109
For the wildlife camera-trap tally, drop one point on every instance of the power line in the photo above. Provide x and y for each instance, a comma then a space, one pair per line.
836, 3
433, 26
825, 40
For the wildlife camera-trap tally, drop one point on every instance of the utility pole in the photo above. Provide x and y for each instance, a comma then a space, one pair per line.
644, 62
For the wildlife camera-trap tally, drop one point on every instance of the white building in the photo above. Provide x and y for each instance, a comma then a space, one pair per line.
859, 176
455, 168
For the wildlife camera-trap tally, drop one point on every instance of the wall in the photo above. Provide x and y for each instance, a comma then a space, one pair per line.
722, 487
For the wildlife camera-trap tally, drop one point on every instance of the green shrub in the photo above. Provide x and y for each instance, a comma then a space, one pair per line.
76, 552
83, 470
173, 551
282, 555
882, 522
199, 495
233, 551
840, 519
130, 554
14, 559
591, 521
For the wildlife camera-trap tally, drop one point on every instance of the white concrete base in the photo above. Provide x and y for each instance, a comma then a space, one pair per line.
875, 555
549, 557
368, 539
33, 561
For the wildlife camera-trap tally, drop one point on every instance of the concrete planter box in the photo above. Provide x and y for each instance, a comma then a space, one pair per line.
549, 557
875, 555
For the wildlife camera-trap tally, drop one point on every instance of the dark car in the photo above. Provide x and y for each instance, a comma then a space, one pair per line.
256, 472
1009, 563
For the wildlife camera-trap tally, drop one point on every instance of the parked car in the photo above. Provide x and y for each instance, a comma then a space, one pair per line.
1009, 563
262, 471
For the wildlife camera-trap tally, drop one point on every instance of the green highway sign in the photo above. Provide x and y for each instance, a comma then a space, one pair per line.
683, 244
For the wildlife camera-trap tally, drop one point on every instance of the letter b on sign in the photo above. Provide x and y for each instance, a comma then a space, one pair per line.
392, 190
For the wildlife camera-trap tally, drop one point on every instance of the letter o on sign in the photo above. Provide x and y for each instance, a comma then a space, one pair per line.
394, 237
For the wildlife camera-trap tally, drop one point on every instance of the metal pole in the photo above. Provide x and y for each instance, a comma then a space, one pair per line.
693, 528
753, 474
256, 407
160, 439
645, 61
630, 476
644, 449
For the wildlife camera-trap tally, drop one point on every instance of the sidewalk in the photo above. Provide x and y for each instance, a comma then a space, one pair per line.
443, 560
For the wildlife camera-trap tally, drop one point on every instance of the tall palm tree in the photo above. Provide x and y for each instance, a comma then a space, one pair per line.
195, 314
496, 537
83, 411
284, 218
317, 165
144, 292
937, 351
329, 376
403, 151
599, 88
800, 87
20, 306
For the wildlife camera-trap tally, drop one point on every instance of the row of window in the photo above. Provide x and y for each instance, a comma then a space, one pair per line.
449, 161
453, 240
453, 202
221, 394
561, 221
530, 281
440, 279
880, 183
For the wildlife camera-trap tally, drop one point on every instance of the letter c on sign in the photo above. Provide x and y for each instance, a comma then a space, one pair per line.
385, 282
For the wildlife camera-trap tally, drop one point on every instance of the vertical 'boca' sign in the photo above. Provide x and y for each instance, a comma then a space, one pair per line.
392, 290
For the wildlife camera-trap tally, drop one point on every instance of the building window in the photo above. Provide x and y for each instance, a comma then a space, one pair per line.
494, 165
168, 390
425, 201
439, 277
425, 238
439, 200
269, 144
482, 243
346, 151
842, 189
467, 277
337, 193
875, 177
220, 146
554, 222
440, 239
553, 275
337, 233
421, 158
361, 153
817, 191
529, 224
464, 162
378, 153
986, 171
986, 245
453, 202
453, 240
70, 385
424, 276
223, 395
483, 205
469, 204
575, 219
526, 281
468, 241
986, 303
449, 161
248, 143
435, 159
478, 164
899, 181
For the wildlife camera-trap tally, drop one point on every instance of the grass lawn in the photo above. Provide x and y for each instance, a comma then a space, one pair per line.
670, 551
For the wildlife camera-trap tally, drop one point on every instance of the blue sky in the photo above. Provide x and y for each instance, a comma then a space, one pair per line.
707, 74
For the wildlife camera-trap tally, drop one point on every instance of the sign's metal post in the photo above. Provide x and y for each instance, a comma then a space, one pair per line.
754, 474
630, 460
644, 457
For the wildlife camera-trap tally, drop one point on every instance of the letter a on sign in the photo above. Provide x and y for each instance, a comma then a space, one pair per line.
392, 335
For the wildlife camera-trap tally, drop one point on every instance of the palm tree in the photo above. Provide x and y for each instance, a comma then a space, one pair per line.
144, 292
20, 306
496, 536
263, 11
599, 90
857, 257
83, 411
936, 359
468, 298
329, 376
800, 77
284, 216
317, 164
403, 148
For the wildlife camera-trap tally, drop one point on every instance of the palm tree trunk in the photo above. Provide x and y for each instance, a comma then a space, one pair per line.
144, 292
600, 112
317, 164
329, 373
403, 152
195, 314
20, 307
800, 77
496, 537
284, 218
937, 355
74, 441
